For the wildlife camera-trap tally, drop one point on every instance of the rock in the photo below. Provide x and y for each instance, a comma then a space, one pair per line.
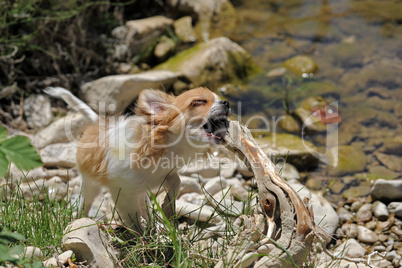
239, 192
350, 248
89, 244
213, 16
365, 235
396, 208
382, 172
392, 162
193, 198
215, 185
350, 230
344, 214
288, 171
195, 212
290, 124
211, 167
37, 110
34, 189
33, 253
386, 191
184, 29
189, 185
59, 155
345, 159
358, 191
164, 48
143, 33
112, 94
212, 63
364, 214
56, 188
68, 128
60, 260
120, 32
283, 147
301, 65
324, 215
393, 145
380, 211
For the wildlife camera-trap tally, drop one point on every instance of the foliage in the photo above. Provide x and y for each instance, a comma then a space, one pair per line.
18, 150
9, 254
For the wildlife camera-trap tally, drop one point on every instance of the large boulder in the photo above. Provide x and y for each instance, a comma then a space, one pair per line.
211, 63
112, 94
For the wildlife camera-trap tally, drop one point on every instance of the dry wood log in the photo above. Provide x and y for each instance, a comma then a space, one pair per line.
282, 230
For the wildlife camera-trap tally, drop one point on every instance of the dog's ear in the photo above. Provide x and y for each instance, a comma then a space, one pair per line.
153, 102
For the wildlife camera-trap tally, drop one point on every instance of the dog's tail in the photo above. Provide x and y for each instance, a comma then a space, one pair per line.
73, 101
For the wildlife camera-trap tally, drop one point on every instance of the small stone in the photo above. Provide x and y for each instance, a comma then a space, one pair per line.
288, 171
164, 48
60, 260
350, 248
379, 248
193, 198
350, 230
382, 237
301, 65
184, 29
386, 191
119, 32
391, 255
392, 162
31, 252
344, 214
37, 110
290, 124
371, 225
265, 249
189, 185
194, 212
396, 208
364, 213
215, 185
396, 230
366, 235
380, 211
59, 155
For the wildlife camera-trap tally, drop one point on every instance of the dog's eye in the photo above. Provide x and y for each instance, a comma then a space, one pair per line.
198, 102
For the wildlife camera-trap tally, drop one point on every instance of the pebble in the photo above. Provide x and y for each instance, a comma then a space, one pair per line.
344, 214
379, 248
31, 252
391, 255
351, 248
395, 208
58, 261
371, 225
380, 211
396, 230
356, 205
189, 185
350, 230
364, 213
366, 235
215, 185
387, 190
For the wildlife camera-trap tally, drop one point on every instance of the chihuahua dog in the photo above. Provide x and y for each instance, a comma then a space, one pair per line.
124, 153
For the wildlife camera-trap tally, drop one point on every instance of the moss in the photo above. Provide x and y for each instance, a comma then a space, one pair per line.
174, 63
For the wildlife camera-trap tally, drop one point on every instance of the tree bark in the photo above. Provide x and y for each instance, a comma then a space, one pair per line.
282, 230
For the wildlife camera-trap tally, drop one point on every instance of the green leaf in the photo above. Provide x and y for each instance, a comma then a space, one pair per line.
11, 237
3, 134
3, 164
20, 151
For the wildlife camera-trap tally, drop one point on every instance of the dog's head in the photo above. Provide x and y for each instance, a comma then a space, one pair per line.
199, 114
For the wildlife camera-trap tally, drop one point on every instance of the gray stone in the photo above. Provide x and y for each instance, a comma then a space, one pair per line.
193, 198
184, 29
189, 185
350, 230
366, 235
396, 208
31, 252
350, 248
380, 211
59, 155
112, 94
215, 185
288, 171
324, 214
344, 214
65, 129
56, 188
89, 244
386, 190
144, 32
37, 111
195, 212
58, 261
120, 32
392, 162
364, 214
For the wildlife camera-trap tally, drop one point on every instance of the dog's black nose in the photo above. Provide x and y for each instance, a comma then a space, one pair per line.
225, 103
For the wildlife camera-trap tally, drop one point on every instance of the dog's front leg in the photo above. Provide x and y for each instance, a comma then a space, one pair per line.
172, 187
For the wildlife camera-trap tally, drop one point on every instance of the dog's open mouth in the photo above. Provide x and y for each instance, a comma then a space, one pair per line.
216, 128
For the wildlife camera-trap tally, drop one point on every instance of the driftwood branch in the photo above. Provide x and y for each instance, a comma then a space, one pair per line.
282, 230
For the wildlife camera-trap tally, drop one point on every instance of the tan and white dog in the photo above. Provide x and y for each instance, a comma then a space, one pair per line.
124, 153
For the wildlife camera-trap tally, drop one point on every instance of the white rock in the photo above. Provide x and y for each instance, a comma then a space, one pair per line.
34, 189
56, 188
366, 235
215, 185
324, 214
193, 198
350, 248
380, 211
33, 253
58, 261
396, 208
189, 185
37, 110
387, 190
112, 94
68, 128
89, 244
194, 212
288, 171
350, 230
59, 155
144, 32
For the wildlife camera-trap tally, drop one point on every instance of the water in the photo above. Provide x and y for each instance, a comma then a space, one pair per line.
357, 46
